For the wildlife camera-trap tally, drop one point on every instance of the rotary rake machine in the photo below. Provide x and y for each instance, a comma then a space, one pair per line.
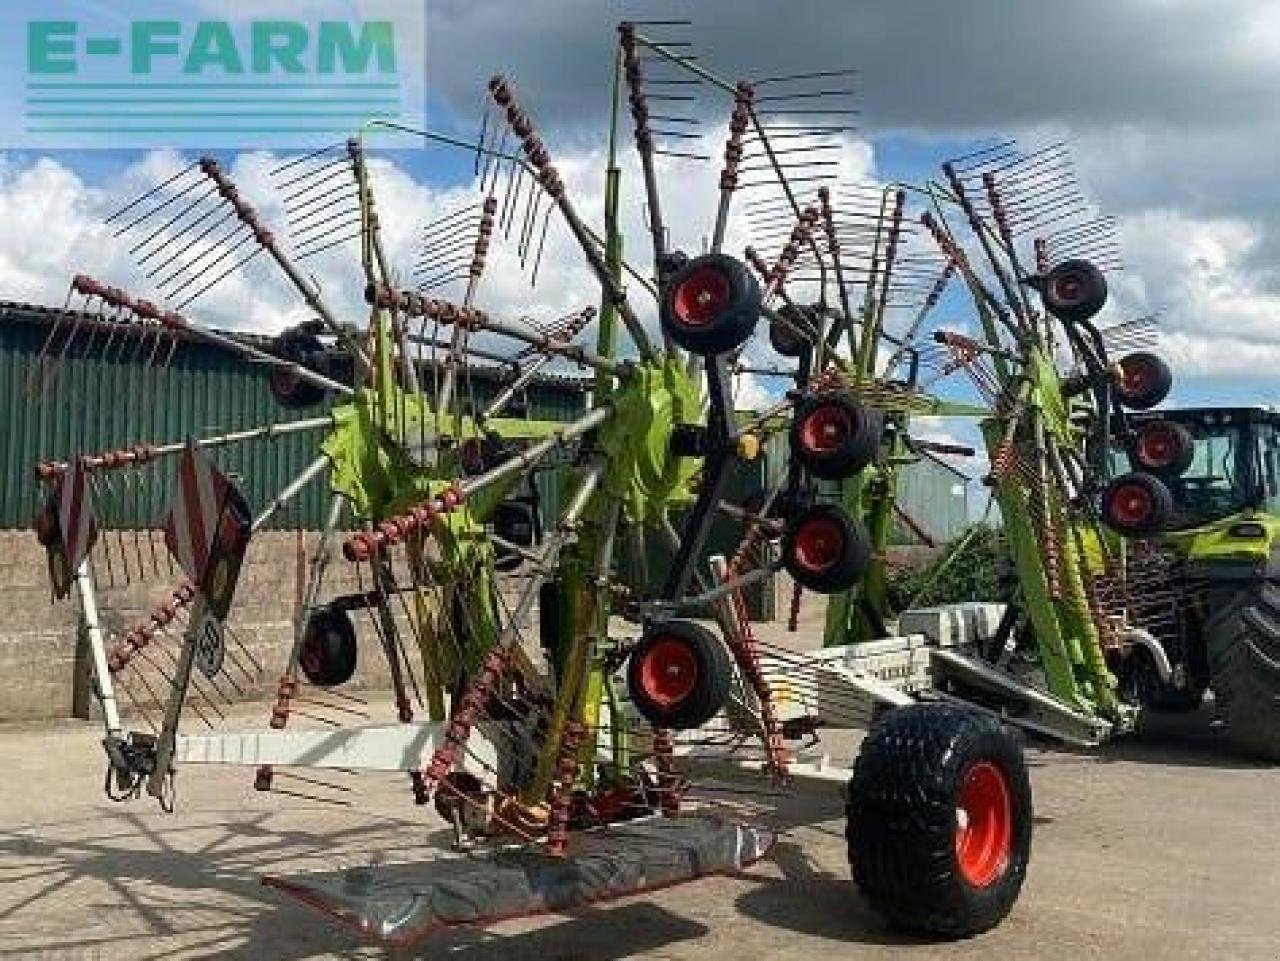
563, 757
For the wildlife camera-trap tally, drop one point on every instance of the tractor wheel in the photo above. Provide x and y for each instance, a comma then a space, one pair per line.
833, 436
825, 551
1074, 291
1145, 380
1162, 447
711, 305
940, 820
678, 676
1137, 504
783, 339
328, 654
1246, 678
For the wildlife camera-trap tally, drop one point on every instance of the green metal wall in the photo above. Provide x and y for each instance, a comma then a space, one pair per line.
935, 496
100, 396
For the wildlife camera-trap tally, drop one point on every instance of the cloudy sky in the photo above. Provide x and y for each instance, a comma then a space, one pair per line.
1169, 106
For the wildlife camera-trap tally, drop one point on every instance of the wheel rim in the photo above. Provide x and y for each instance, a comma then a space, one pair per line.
1132, 504
1157, 448
311, 660
818, 545
1067, 289
825, 429
700, 297
1136, 377
669, 672
984, 825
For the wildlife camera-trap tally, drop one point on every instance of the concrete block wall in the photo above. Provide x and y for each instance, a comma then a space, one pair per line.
43, 660
43, 675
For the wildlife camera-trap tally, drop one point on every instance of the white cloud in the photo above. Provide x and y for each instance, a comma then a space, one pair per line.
57, 229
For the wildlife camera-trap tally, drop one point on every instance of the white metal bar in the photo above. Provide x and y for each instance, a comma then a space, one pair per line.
97, 651
386, 747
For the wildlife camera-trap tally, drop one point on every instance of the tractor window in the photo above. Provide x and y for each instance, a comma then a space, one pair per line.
1271, 466
1221, 479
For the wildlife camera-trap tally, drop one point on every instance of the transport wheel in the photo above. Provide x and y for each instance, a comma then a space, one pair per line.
711, 305
678, 676
1246, 676
834, 436
1074, 291
1162, 447
1145, 380
328, 655
940, 820
825, 551
1137, 504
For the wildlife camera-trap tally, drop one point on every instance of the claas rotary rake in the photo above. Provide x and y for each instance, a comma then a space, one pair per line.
569, 758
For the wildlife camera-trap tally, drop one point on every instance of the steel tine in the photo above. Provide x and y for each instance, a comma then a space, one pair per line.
150, 193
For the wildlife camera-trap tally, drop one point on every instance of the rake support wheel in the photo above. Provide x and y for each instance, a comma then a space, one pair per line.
834, 436
290, 390
825, 550
940, 820
711, 305
1074, 291
1145, 380
328, 654
678, 676
1137, 504
1162, 447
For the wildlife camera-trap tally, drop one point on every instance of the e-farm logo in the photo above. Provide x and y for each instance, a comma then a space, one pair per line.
120, 81
54, 48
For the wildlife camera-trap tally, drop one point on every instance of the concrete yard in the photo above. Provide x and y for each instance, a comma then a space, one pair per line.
1161, 847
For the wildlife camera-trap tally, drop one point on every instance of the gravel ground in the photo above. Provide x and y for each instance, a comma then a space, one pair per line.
1162, 846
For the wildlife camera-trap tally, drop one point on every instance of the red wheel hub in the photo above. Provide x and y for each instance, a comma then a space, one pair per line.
669, 672
1067, 289
700, 297
984, 825
1135, 376
1157, 447
825, 429
1132, 504
818, 544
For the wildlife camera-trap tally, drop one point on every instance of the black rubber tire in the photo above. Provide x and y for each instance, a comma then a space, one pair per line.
903, 802
1246, 677
1162, 447
730, 324
782, 339
290, 390
708, 690
328, 655
1123, 519
1074, 291
852, 554
1144, 382
862, 432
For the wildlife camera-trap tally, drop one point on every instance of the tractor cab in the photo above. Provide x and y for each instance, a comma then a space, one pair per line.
1217, 462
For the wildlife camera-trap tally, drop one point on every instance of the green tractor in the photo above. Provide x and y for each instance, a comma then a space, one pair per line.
1216, 511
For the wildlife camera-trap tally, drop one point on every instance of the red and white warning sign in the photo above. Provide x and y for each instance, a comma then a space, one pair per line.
67, 527
192, 521
76, 518
207, 528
